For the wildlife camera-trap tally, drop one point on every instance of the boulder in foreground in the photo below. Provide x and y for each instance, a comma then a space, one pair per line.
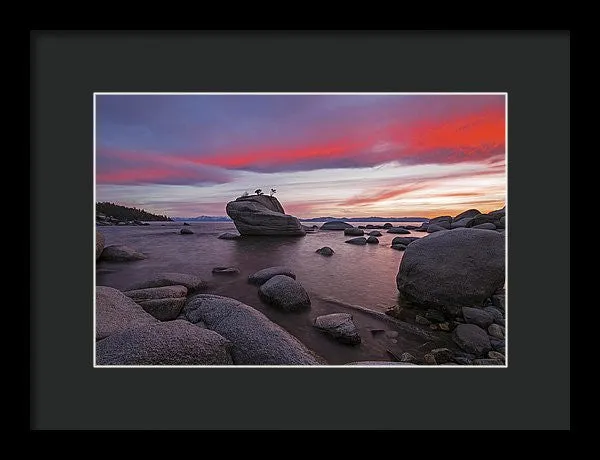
176, 342
256, 339
452, 268
285, 293
262, 215
116, 312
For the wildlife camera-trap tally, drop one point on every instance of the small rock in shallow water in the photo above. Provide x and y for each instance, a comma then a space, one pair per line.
264, 275
496, 331
372, 240
120, 253
226, 270
422, 320
442, 355
340, 326
398, 247
186, 231
407, 358
429, 359
229, 236
375, 233
359, 241
325, 251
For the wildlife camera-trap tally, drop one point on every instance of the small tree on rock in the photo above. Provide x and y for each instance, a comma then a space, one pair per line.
258, 191
273, 191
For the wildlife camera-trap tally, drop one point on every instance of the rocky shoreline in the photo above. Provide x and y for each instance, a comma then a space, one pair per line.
450, 285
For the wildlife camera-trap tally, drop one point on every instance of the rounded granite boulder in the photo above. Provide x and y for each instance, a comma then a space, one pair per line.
284, 292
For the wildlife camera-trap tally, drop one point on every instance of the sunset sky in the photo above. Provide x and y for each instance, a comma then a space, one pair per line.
327, 155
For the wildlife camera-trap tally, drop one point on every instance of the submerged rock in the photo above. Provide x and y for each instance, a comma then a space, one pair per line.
186, 231
340, 326
255, 338
226, 271
458, 268
264, 275
229, 236
262, 215
360, 241
285, 293
120, 253
170, 343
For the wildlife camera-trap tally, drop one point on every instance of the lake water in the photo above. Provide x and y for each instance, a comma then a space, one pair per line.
354, 275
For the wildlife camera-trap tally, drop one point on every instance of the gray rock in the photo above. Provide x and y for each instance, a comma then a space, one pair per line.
256, 339
387, 225
496, 331
284, 292
226, 271
488, 362
325, 251
432, 228
375, 233
461, 223
336, 225
116, 312
496, 314
229, 236
372, 240
120, 253
398, 230
398, 247
499, 301
422, 320
429, 359
186, 231
477, 316
354, 232
405, 240
99, 244
472, 339
191, 282
361, 240
165, 309
391, 334
264, 275
500, 322
407, 358
463, 361
457, 268
497, 344
503, 221
468, 214
442, 355
170, 343
262, 215
495, 355
157, 293
442, 221
435, 316
483, 219
340, 326
486, 226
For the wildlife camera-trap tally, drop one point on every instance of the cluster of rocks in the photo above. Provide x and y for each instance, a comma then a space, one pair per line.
471, 218
115, 252
102, 221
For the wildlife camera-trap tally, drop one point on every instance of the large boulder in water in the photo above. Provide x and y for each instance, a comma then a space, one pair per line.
255, 339
99, 244
336, 225
285, 293
262, 215
176, 342
116, 312
453, 268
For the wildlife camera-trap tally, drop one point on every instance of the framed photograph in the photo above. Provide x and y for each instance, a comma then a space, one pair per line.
300, 229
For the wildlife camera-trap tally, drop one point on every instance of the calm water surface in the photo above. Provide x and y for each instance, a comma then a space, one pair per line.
355, 275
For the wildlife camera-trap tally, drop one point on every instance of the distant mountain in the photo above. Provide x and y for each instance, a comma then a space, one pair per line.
202, 219
123, 213
367, 219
